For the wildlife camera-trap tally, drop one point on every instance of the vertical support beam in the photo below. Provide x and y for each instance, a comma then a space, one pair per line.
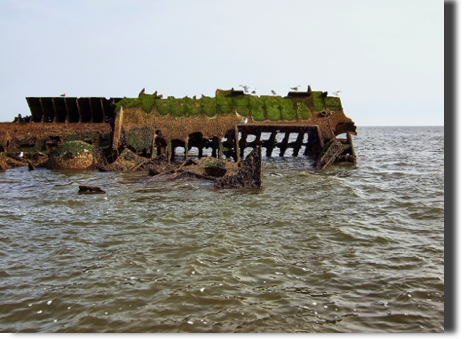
169, 150
237, 149
349, 137
42, 110
103, 110
92, 111
309, 151
315, 143
243, 142
67, 110
298, 143
186, 150
284, 143
257, 138
117, 128
215, 147
55, 119
200, 147
153, 150
271, 144
221, 149
79, 110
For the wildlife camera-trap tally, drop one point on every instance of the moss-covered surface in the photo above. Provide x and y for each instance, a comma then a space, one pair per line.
288, 111
74, 147
303, 110
147, 101
72, 137
192, 106
257, 108
318, 101
333, 103
208, 106
72, 155
272, 108
224, 102
139, 138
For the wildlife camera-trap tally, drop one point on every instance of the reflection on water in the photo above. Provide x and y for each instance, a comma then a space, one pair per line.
355, 248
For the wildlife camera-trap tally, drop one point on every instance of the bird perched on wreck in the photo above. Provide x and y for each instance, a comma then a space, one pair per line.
20, 155
274, 92
337, 93
254, 92
245, 87
63, 95
241, 121
295, 88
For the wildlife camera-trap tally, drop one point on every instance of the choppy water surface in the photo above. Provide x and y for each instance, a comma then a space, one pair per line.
355, 248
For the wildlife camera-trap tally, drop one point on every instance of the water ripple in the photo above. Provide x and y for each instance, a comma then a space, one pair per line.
354, 248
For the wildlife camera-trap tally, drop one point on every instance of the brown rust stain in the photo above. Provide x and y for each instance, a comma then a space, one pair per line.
180, 128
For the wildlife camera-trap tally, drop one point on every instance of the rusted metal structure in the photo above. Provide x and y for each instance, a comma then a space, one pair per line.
226, 124
233, 121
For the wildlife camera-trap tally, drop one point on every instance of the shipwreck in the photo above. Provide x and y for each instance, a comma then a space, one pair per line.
308, 123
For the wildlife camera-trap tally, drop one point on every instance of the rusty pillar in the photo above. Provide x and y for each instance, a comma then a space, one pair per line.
55, 117
284, 143
103, 109
243, 143
257, 138
215, 147
79, 110
67, 110
298, 143
236, 143
270, 144
117, 128
42, 110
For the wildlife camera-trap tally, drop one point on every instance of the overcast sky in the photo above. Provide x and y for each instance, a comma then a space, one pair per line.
385, 55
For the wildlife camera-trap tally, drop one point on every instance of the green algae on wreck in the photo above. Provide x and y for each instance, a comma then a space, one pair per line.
72, 155
225, 102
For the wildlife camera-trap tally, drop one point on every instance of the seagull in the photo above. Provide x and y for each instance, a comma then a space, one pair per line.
244, 121
63, 95
254, 92
20, 155
295, 88
245, 87
274, 92
337, 93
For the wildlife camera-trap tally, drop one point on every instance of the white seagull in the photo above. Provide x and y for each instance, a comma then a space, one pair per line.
63, 95
274, 92
245, 87
20, 155
244, 121
295, 88
337, 93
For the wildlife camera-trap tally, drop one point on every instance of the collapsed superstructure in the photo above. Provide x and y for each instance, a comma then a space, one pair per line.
309, 122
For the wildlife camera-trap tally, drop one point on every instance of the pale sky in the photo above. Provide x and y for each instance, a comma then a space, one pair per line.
385, 55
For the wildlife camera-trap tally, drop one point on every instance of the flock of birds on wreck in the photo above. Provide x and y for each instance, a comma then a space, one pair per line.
246, 91
294, 89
